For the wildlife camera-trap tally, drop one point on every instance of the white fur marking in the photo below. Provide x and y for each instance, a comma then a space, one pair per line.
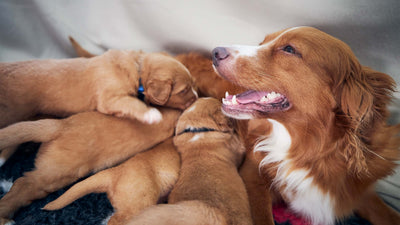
276, 145
251, 51
2, 161
245, 50
11, 222
152, 116
191, 108
105, 221
5, 185
303, 196
309, 199
195, 93
196, 137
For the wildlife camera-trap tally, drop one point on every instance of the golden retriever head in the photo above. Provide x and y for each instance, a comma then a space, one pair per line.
166, 81
313, 84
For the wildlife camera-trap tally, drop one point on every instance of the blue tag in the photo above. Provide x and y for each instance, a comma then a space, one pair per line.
141, 90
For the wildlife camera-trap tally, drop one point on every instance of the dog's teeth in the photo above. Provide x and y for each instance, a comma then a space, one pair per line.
226, 94
273, 95
263, 99
234, 102
226, 102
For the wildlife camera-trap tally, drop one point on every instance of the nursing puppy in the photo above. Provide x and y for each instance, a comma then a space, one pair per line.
107, 83
132, 186
209, 189
206, 80
326, 141
73, 147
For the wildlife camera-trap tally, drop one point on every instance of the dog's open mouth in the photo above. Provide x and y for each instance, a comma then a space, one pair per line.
251, 102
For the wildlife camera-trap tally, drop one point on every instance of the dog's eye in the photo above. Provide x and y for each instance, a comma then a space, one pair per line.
184, 90
289, 49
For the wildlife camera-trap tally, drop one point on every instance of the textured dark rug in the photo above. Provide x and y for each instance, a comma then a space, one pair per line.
93, 209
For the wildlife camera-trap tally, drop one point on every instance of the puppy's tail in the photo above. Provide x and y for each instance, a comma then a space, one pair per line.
43, 130
182, 213
80, 51
97, 183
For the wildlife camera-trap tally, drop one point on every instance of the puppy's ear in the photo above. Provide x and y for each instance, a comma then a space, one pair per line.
158, 91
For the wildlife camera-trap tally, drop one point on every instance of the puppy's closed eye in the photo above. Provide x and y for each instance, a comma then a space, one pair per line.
184, 91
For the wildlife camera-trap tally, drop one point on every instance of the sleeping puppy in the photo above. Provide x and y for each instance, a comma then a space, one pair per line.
107, 83
133, 185
209, 189
73, 147
206, 80
327, 141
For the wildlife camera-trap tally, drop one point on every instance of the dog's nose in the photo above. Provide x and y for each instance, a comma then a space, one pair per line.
218, 54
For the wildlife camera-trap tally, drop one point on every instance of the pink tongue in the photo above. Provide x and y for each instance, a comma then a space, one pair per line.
250, 96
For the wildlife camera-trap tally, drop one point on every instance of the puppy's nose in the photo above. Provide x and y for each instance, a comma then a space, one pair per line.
218, 54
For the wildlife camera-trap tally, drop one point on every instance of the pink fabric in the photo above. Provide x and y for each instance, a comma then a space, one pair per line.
283, 214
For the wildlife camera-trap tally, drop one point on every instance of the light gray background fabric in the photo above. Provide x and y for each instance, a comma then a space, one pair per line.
33, 29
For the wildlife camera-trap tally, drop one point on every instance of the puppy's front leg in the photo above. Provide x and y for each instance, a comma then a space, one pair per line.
6, 153
129, 107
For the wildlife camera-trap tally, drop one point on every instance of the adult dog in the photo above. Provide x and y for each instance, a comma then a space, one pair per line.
326, 141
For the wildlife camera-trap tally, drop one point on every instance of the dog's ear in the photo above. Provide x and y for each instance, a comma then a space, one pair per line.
382, 86
158, 91
362, 97
355, 98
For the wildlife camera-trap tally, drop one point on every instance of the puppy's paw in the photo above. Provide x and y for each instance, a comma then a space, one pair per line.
4, 221
152, 116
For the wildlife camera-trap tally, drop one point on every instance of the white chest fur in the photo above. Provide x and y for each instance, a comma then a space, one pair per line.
297, 186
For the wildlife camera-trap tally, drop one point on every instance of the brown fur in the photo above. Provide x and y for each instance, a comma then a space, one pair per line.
209, 189
337, 121
107, 83
81, 52
133, 185
73, 147
257, 186
207, 81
